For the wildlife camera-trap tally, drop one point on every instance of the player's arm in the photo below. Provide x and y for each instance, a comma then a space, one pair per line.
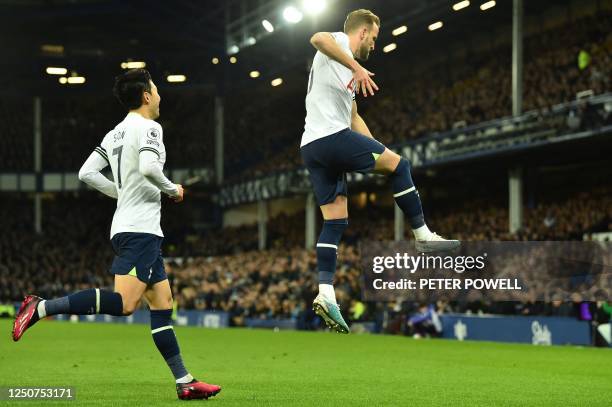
357, 123
150, 168
326, 43
90, 173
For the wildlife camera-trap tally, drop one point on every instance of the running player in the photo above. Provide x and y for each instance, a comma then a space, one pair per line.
135, 151
336, 140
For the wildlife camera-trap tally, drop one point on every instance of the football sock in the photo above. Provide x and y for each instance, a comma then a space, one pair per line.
165, 340
186, 379
327, 251
407, 198
327, 291
422, 233
86, 302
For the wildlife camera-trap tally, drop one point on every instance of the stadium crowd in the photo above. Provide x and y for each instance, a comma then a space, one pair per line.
73, 253
415, 103
224, 271
73, 125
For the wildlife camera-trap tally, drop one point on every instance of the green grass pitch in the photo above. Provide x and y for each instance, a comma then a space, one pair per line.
118, 365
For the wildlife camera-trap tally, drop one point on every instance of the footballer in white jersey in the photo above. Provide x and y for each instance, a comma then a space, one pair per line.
139, 201
336, 140
135, 151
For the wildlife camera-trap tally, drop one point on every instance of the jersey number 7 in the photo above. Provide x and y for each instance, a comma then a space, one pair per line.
117, 151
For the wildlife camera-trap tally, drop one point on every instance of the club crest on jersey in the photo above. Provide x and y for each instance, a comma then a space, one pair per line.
153, 134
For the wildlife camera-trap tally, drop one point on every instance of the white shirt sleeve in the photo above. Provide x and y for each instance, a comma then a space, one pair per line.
151, 169
150, 148
342, 39
90, 173
152, 140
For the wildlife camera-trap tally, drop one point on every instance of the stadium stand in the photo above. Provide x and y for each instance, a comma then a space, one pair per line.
221, 269
225, 271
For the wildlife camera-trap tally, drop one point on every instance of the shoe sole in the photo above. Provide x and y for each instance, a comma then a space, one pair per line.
21, 310
205, 396
437, 246
331, 324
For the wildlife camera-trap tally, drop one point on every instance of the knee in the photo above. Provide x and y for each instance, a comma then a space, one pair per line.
336, 225
129, 306
337, 209
167, 303
387, 162
161, 302
402, 168
340, 200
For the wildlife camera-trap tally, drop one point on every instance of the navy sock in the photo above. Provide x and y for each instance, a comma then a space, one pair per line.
165, 340
86, 302
327, 248
406, 196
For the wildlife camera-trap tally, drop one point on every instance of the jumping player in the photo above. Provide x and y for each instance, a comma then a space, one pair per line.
135, 151
336, 140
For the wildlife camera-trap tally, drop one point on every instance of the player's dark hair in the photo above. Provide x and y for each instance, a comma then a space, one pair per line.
129, 87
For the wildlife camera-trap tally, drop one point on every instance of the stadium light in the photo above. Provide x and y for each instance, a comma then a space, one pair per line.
487, 5
460, 5
390, 47
52, 70
254, 74
133, 64
268, 26
251, 41
63, 80
292, 15
176, 78
277, 82
399, 30
215, 61
234, 49
52, 49
233, 60
435, 26
314, 6
76, 80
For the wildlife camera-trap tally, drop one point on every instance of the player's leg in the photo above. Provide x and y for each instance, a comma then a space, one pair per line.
407, 198
159, 299
130, 283
131, 290
123, 301
335, 221
404, 191
330, 189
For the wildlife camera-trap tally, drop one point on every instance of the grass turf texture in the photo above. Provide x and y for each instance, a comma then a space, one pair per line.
118, 365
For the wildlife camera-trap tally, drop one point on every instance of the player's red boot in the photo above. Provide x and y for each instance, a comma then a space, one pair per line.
196, 390
26, 316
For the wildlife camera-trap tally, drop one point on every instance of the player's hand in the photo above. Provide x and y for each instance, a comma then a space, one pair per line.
179, 198
363, 81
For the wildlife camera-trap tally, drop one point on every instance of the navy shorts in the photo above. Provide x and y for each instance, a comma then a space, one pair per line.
328, 159
139, 255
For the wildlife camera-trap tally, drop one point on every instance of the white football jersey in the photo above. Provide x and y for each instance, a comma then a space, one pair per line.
330, 95
139, 201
